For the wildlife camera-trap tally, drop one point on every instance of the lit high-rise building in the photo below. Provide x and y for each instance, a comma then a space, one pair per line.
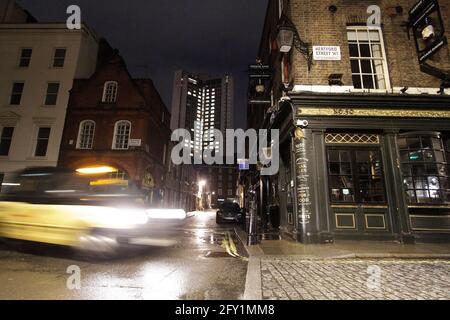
201, 103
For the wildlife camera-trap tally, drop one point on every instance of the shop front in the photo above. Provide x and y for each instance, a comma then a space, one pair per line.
365, 167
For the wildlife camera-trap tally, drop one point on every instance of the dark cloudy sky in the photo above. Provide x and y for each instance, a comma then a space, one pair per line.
157, 37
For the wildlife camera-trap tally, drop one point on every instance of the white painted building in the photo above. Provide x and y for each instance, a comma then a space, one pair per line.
38, 63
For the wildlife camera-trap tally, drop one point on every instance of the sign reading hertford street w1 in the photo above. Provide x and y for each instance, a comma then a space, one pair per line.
326, 53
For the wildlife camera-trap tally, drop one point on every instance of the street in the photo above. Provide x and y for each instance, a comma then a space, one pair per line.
197, 268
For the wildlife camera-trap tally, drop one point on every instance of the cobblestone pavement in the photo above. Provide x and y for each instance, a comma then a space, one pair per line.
287, 278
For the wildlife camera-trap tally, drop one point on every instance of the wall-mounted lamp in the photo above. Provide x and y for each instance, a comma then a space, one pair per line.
285, 39
288, 37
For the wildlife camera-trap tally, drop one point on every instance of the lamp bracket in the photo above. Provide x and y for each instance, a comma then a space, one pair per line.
299, 44
443, 75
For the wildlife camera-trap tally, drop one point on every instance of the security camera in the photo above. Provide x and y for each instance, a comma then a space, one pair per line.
302, 123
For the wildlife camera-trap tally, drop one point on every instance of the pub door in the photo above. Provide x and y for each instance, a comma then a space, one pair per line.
357, 189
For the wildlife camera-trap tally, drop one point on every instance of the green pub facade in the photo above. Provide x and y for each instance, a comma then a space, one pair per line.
364, 121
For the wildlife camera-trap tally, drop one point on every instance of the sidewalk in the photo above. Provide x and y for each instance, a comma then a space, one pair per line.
284, 269
346, 249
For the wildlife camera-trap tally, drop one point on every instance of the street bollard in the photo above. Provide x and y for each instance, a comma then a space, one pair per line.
252, 232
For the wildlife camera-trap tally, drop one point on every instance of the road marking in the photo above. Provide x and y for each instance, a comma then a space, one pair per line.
230, 246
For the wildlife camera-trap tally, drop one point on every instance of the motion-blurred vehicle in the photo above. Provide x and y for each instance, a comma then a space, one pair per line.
84, 209
229, 212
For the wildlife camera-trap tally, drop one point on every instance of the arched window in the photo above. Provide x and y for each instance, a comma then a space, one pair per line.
86, 135
122, 131
110, 92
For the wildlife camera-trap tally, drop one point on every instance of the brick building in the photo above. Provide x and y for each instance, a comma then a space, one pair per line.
113, 119
220, 184
363, 116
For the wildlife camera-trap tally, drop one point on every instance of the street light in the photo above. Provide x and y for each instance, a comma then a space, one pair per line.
285, 39
288, 37
202, 183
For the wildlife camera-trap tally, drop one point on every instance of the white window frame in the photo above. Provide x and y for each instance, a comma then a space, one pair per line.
116, 127
383, 52
112, 96
81, 130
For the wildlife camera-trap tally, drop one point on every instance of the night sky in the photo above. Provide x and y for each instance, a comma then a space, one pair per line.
157, 37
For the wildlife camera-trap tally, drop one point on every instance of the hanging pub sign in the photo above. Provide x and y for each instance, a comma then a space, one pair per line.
259, 79
148, 181
426, 22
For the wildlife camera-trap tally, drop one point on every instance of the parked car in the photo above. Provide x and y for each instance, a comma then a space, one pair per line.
229, 212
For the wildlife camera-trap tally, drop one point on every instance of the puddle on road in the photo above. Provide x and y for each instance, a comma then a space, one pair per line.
217, 254
209, 237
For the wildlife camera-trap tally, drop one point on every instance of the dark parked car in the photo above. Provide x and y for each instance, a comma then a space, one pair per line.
229, 212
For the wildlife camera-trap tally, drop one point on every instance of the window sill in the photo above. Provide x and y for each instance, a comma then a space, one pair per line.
37, 158
48, 106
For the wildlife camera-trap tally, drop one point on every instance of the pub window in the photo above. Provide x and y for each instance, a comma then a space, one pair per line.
356, 175
424, 168
367, 58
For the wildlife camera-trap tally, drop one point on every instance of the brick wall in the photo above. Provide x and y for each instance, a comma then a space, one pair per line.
318, 26
137, 102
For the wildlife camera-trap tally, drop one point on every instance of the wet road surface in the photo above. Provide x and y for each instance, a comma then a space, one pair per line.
200, 266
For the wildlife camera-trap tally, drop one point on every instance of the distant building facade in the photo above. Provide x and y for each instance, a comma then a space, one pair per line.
220, 184
38, 63
201, 103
